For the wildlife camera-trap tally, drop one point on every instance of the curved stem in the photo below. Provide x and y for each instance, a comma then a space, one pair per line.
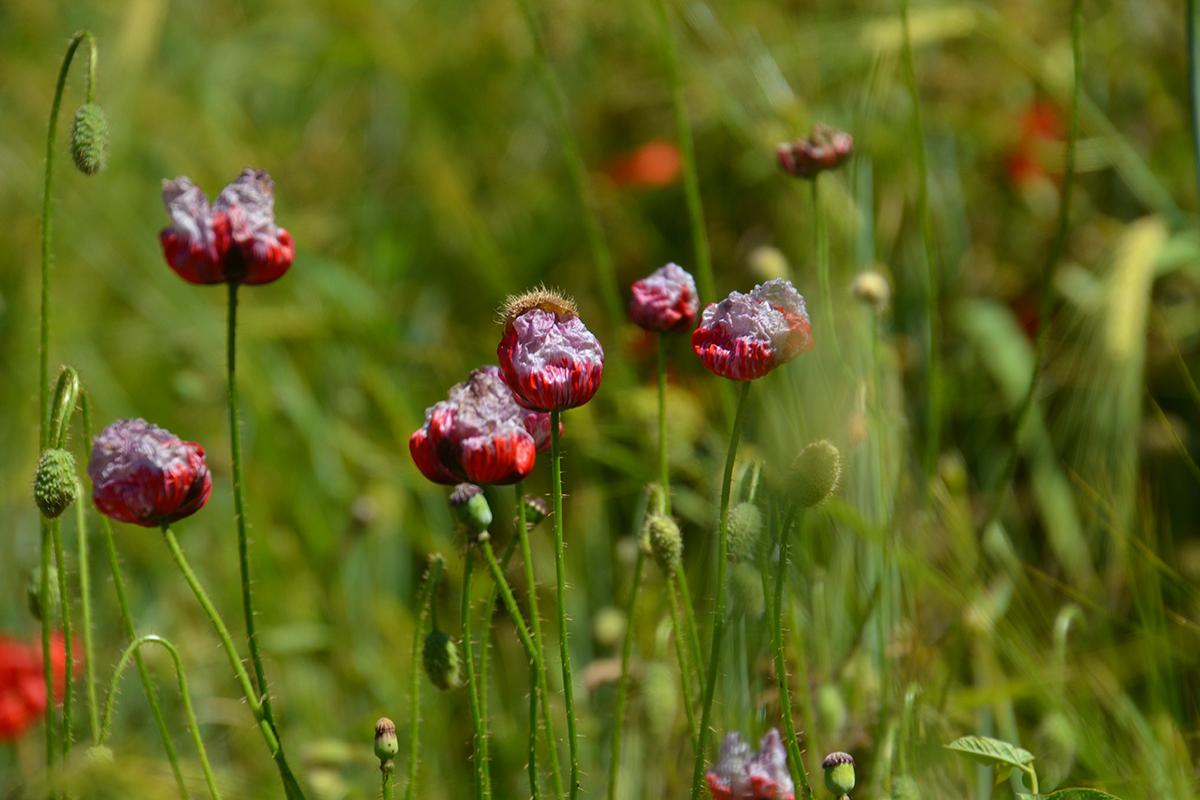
685, 667
64, 604
85, 595
257, 708
425, 598
795, 754
133, 651
718, 624
614, 762
560, 570
478, 733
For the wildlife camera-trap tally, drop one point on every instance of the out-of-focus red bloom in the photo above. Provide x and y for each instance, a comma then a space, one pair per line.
823, 149
745, 336
234, 240
22, 685
665, 300
742, 774
146, 475
656, 163
479, 434
548, 357
1040, 126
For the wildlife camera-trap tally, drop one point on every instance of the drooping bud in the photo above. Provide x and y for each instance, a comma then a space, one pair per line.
745, 529
55, 486
747, 587
471, 507
386, 743
33, 592
89, 139
66, 395
872, 289
839, 773
815, 473
665, 542
440, 658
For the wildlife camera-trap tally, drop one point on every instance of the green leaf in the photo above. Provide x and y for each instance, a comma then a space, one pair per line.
1079, 794
991, 752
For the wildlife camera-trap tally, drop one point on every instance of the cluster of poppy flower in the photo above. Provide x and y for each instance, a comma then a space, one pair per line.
22, 686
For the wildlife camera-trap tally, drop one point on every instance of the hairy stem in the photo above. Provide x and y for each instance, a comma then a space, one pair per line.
68, 633
478, 732
560, 569
685, 666
85, 595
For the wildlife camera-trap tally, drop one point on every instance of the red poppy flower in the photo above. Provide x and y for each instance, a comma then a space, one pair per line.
1040, 127
479, 434
548, 357
22, 685
235, 240
824, 149
745, 336
742, 774
666, 300
146, 475
656, 163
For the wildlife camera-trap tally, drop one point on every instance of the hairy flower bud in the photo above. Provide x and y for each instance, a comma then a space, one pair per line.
665, 541
33, 591
745, 530
55, 486
440, 658
839, 773
386, 743
548, 357
815, 473
471, 508
89, 139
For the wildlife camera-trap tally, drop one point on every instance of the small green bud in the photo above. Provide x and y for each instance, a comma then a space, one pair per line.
441, 661
747, 586
471, 507
54, 485
839, 773
386, 743
34, 593
745, 529
815, 473
660, 699
89, 139
608, 627
665, 541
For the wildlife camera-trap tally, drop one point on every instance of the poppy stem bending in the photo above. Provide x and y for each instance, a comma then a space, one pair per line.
478, 732
253, 699
791, 519
560, 569
718, 624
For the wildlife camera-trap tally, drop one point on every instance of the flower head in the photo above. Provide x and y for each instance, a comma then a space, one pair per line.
665, 300
22, 686
234, 240
839, 773
745, 336
479, 434
146, 475
742, 774
824, 149
548, 357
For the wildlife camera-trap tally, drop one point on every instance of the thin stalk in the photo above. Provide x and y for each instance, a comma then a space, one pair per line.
387, 773
687, 151
718, 624
47, 670
560, 570
664, 470
685, 667
689, 616
485, 660
1049, 296
60, 561
795, 754
614, 762
133, 651
85, 594
253, 700
821, 245
424, 609
477, 732
114, 564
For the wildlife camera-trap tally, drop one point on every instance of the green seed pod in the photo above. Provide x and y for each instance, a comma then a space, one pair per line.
34, 593
815, 473
608, 627
665, 541
839, 773
831, 709
386, 743
747, 588
89, 139
660, 694
441, 661
54, 485
745, 530
471, 507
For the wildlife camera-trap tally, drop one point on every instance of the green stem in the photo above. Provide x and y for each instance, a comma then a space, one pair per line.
785, 695
664, 469
85, 594
60, 562
821, 245
718, 624
253, 700
685, 666
387, 771
114, 564
689, 615
687, 150
47, 669
478, 733
560, 570
424, 604
614, 763
133, 651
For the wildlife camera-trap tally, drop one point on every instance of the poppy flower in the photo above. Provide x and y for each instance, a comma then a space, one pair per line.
742, 774
234, 240
652, 165
1039, 129
745, 336
665, 300
548, 357
22, 685
146, 475
823, 149
479, 434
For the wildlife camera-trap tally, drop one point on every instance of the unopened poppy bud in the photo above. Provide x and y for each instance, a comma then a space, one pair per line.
33, 592
471, 507
55, 486
839, 773
745, 529
665, 542
747, 587
441, 662
871, 288
386, 743
536, 510
815, 473
89, 139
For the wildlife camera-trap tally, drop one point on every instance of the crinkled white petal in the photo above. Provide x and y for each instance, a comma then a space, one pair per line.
545, 341
191, 215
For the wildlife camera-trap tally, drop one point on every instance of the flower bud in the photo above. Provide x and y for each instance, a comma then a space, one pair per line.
471, 507
55, 486
745, 529
747, 587
839, 773
536, 510
815, 473
386, 743
89, 139
33, 591
872, 289
665, 542
441, 662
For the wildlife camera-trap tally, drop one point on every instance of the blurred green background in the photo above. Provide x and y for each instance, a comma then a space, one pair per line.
418, 165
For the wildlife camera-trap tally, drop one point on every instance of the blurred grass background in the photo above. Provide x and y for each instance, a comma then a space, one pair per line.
418, 166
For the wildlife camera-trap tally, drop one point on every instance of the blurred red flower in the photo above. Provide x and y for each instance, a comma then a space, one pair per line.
656, 163
1040, 124
22, 686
